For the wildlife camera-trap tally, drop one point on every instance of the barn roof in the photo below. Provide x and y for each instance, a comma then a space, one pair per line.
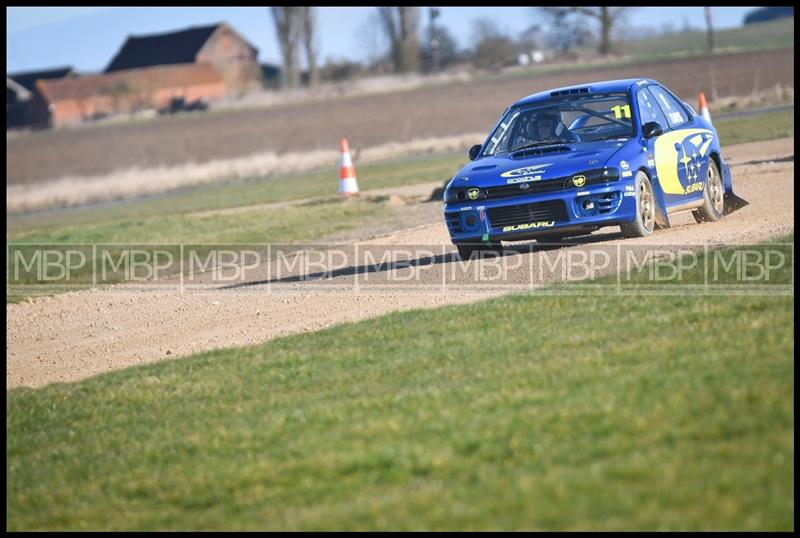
28, 79
178, 47
144, 80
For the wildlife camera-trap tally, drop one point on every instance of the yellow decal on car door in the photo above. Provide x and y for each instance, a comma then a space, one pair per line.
680, 155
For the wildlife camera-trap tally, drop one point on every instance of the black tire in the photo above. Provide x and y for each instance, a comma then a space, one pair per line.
713, 196
469, 251
645, 221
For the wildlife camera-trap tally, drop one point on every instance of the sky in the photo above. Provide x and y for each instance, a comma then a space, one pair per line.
88, 37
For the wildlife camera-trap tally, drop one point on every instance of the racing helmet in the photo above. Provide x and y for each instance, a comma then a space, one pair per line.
544, 125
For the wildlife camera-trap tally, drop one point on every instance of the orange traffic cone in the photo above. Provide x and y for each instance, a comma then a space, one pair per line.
348, 185
704, 108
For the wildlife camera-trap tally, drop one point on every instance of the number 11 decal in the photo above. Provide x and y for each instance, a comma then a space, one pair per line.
620, 112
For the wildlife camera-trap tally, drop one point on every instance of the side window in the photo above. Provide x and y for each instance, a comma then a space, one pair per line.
649, 109
674, 112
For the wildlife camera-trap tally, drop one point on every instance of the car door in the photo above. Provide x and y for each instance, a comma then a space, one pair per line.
681, 152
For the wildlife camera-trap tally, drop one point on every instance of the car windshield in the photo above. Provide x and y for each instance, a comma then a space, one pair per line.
568, 119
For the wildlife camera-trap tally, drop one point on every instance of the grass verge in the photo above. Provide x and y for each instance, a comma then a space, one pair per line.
151, 213
767, 126
559, 412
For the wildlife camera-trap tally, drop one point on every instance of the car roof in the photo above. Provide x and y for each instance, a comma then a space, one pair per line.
606, 86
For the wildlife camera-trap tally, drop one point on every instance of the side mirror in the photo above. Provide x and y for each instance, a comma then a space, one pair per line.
651, 129
474, 151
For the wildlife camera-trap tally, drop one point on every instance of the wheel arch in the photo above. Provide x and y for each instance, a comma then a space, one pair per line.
717, 160
723, 169
732, 200
662, 217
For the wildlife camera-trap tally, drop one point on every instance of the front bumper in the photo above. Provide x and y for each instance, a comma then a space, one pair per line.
525, 216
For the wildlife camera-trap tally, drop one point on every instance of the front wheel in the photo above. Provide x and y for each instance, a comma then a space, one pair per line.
713, 196
645, 220
468, 251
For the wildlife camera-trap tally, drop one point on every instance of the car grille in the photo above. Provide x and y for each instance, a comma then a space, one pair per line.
517, 189
593, 177
526, 213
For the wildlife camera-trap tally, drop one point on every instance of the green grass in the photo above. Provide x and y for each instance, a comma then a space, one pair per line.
764, 36
282, 224
754, 128
157, 215
523, 412
767, 35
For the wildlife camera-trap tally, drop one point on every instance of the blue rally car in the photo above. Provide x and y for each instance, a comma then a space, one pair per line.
566, 162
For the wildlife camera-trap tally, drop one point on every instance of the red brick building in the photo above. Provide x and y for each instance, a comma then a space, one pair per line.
71, 101
218, 45
148, 72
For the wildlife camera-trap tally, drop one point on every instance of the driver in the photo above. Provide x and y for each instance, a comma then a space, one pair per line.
547, 126
543, 127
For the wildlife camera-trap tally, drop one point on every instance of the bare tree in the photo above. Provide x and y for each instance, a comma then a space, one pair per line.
433, 39
607, 17
390, 25
310, 44
445, 53
484, 28
289, 26
709, 59
401, 25
709, 30
565, 31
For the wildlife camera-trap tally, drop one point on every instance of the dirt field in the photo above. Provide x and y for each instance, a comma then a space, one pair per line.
367, 121
71, 336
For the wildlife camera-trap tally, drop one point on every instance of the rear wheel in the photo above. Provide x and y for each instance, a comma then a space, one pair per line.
645, 220
713, 196
468, 251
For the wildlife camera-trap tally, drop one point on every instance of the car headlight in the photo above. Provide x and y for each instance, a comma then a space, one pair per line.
464, 194
592, 177
611, 172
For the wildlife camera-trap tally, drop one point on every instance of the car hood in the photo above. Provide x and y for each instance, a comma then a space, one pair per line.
573, 159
